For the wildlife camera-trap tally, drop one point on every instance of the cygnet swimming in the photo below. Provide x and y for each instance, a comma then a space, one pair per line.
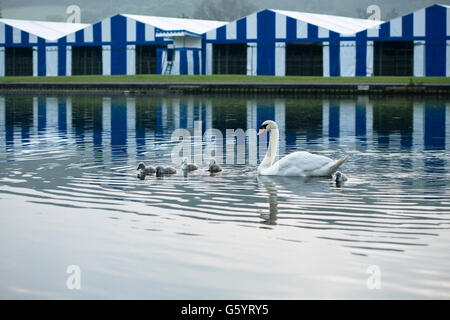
144, 170
185, 166
214, 167
339, 178
161, 171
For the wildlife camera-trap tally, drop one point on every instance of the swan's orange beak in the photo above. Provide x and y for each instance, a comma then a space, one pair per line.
260, 132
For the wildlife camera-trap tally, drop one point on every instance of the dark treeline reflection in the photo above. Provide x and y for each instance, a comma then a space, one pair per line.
127, 122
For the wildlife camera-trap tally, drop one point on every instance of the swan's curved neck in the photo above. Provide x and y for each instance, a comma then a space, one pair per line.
272, 150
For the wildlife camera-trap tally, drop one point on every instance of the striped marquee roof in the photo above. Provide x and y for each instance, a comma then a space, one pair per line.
50, 31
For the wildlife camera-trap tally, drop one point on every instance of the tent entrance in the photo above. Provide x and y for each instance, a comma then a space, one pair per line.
230, 58
18, 61
146, 59
304, 59
86, 60
393, 58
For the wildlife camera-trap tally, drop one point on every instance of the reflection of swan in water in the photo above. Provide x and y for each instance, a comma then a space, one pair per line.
299, 164
300, 186
271, 188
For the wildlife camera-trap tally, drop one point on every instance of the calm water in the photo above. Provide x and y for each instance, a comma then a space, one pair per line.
69, 196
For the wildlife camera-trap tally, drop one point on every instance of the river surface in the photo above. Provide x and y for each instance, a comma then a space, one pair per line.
76, 223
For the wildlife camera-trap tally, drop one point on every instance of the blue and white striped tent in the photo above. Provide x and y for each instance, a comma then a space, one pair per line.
266, 33
348, 44
428, 28
41, 36
119, 35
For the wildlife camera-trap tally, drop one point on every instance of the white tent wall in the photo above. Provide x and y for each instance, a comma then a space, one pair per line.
348, 58
68, 60
447, 67
106, 60
280, 59
419, 23
16, 36
419, 59
131, 30
187, 42
280, 26
105, 26
369, 59
131, 60
51, 61
164, 61
2, 61
88, 34
35, 61
190, 60
175, 70
251, 59
326, 59
2, 33
251, 26
149, 33
211, 35
209, 58
231, 31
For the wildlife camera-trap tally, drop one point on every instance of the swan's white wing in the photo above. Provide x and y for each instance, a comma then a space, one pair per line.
300, 163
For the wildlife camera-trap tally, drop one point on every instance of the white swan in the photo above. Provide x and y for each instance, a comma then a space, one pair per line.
299, 163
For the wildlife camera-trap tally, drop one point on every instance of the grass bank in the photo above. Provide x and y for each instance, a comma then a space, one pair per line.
227, 78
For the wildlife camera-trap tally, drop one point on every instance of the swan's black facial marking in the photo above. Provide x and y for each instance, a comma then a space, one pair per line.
263, 126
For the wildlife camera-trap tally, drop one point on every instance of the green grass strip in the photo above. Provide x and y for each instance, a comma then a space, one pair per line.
227, 78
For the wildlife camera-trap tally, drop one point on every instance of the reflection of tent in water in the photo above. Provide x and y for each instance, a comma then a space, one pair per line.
128, 122
347, 119
431, 125
360, 119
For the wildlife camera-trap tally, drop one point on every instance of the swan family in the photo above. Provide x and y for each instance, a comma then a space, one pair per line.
296, 164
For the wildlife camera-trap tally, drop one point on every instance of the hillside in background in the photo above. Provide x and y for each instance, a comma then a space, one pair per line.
55, 10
